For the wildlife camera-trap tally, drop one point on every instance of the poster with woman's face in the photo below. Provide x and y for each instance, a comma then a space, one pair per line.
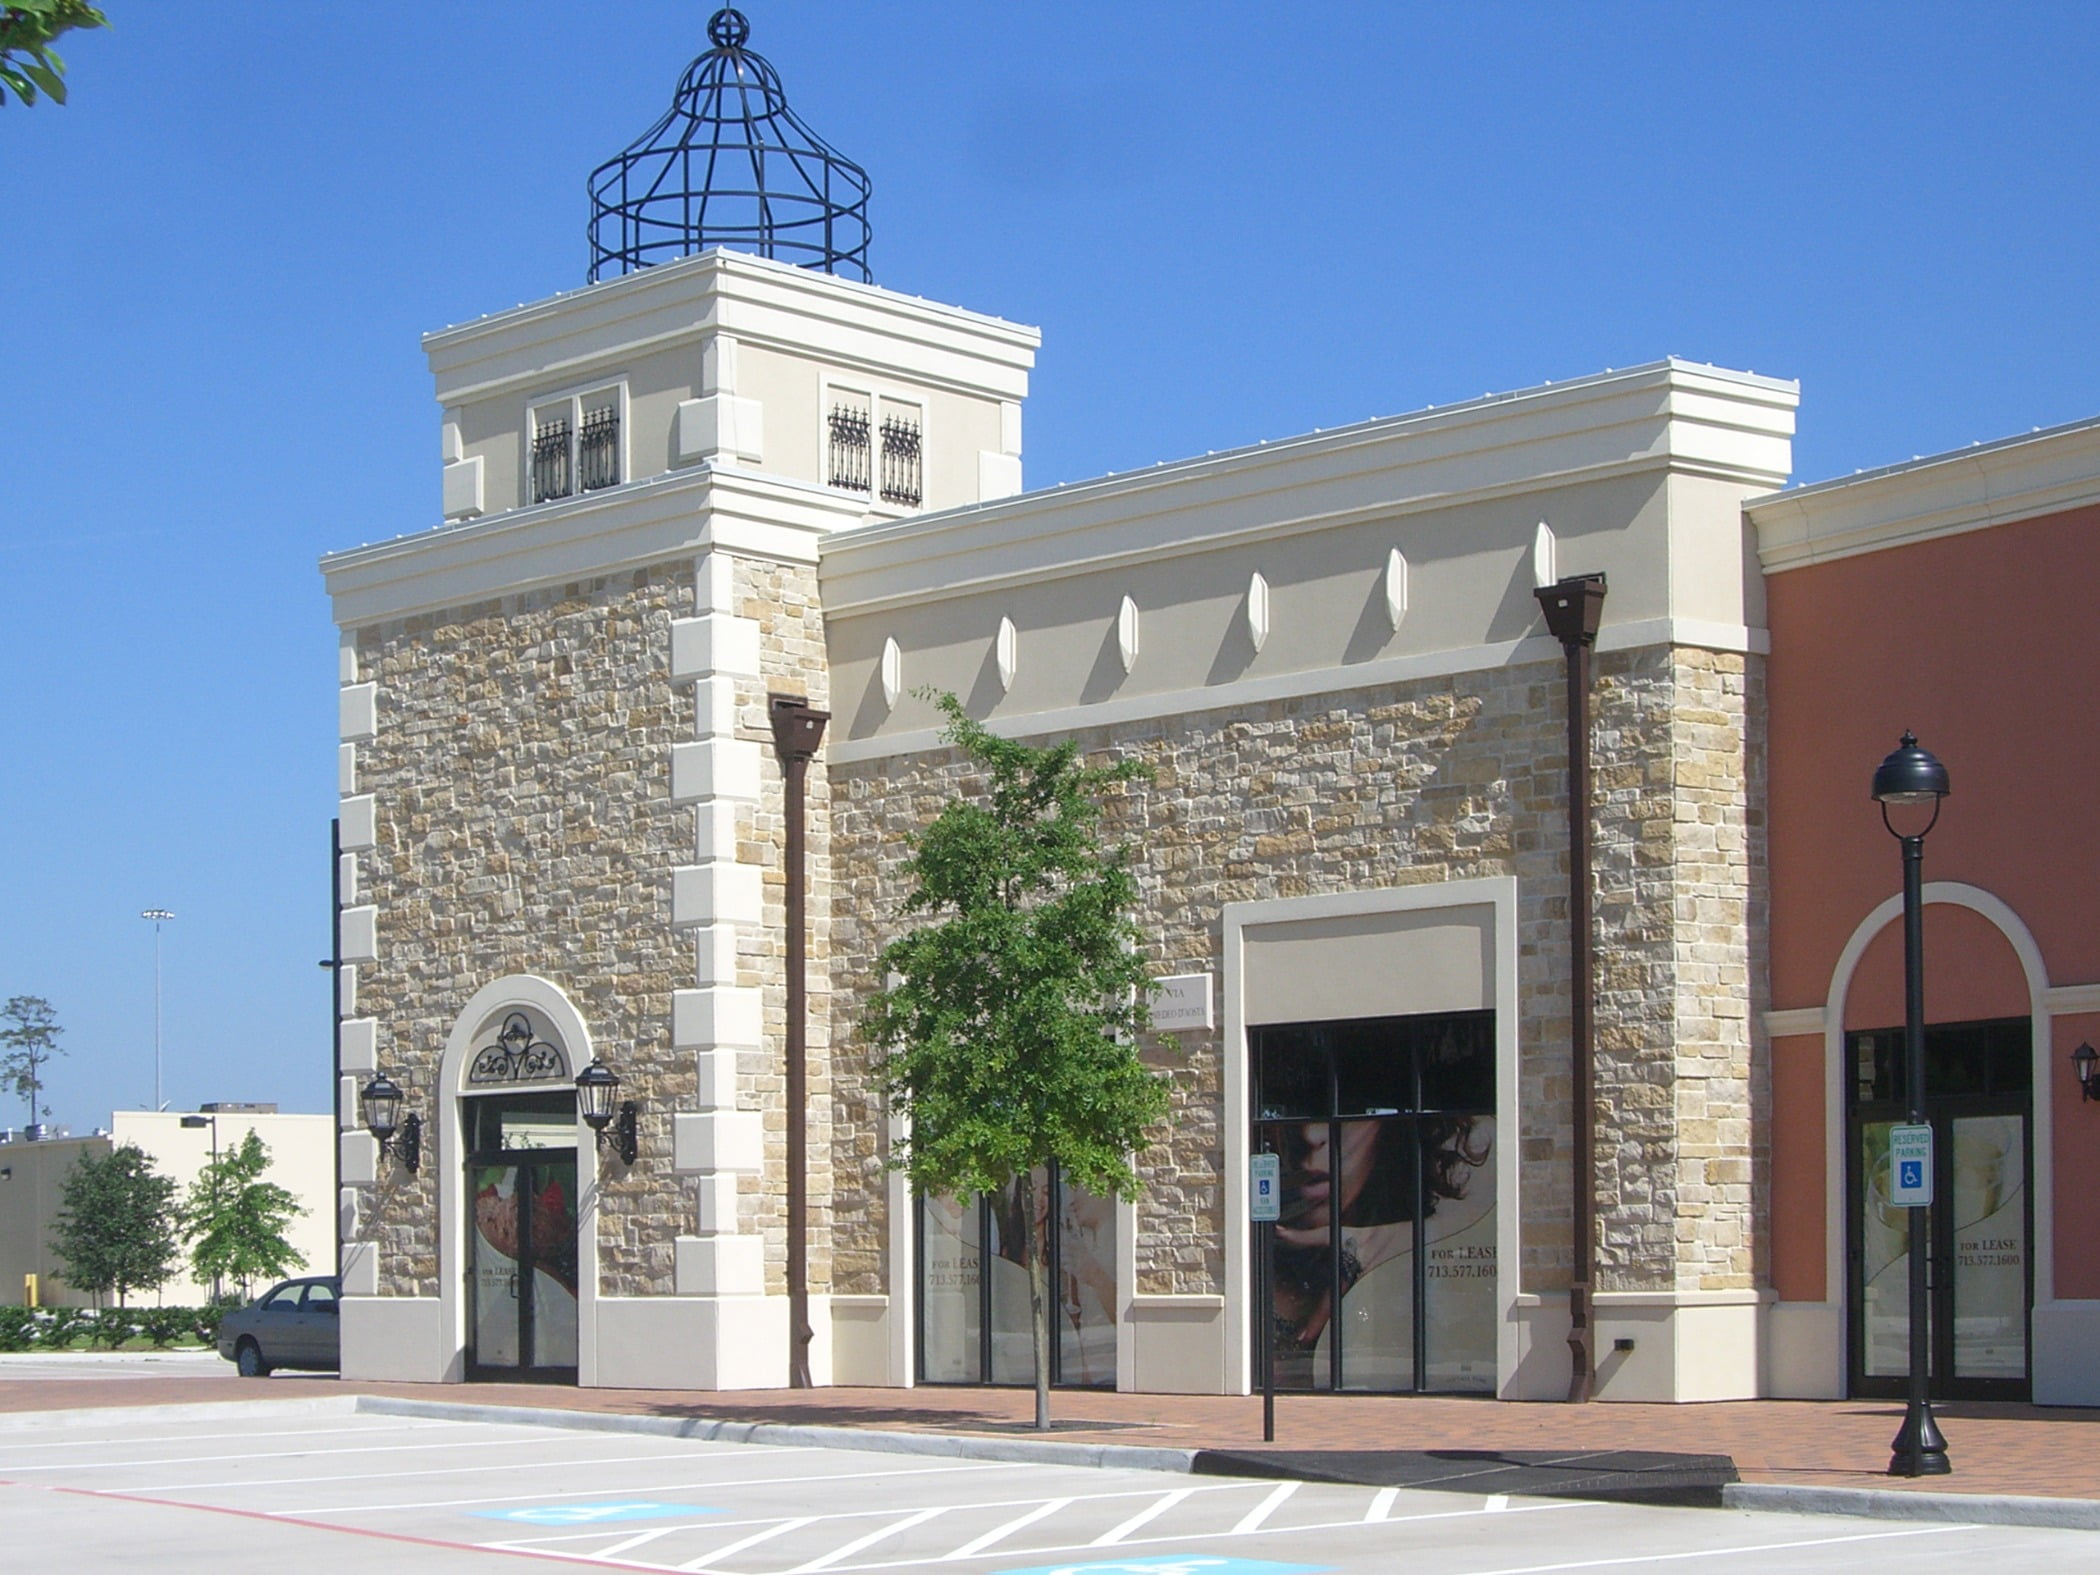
1351, 1190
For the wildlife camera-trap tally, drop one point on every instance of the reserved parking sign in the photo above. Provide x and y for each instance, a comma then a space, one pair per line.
1910, 1167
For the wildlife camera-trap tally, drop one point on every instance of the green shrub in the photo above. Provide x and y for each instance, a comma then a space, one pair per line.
59, 1327
111, 1327
18, 1328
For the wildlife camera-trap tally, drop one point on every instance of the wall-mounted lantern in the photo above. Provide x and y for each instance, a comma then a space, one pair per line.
597, 1086
2082, 1060
402, 1137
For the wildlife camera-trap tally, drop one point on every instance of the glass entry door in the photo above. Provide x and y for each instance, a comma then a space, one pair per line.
521, 1239
1980, 1225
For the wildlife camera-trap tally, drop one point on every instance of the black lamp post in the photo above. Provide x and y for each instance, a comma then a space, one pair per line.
1912, 781
597, 1086
381, 1099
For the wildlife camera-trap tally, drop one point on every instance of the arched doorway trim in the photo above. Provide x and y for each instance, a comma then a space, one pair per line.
547, 999
2008, 923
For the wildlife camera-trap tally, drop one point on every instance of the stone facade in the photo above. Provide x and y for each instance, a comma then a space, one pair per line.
523, 826
1429, 781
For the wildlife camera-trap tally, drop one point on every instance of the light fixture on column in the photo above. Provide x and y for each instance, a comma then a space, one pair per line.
597, 1087
402, 1137
2082, 1060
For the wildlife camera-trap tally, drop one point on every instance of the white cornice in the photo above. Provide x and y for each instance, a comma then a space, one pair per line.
579, 332
1944, 495
1294, 686
1670, 415
601, 533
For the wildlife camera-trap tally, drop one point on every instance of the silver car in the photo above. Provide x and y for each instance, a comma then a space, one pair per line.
295, 1324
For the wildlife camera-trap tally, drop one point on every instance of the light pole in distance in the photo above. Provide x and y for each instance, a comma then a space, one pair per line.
159, 916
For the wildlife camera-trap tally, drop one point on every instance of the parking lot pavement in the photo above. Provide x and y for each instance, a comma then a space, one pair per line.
243, 1488
47, 1366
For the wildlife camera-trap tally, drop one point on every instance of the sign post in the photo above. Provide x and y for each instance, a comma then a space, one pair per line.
1264, 1207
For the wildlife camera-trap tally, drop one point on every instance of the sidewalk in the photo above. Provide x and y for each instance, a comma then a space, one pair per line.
1996, 1449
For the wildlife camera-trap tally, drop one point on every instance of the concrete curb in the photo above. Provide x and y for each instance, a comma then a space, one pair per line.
1023, 1451
193, 1355
1969, 1509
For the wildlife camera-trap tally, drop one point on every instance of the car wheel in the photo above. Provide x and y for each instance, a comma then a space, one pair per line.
248, 1360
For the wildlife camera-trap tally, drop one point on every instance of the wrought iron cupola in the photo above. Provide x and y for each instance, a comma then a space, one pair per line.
729, 165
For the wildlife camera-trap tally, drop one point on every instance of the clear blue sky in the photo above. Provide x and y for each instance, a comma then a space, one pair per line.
1231, 220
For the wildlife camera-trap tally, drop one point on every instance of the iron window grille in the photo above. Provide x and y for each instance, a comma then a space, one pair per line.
550, 461
848, 453
901, 468
598, 449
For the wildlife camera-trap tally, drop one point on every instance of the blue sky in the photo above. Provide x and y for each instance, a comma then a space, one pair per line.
1231, 220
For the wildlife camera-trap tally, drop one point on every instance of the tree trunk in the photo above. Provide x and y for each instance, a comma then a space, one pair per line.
1038, 1297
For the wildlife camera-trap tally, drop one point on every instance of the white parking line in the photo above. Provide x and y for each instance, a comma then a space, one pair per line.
1721, 1553
133, 1440
268, 1454
1269, 1531
779, 1529
386, 1476
1495, 1502
1143, 1517
880, 1534
626, 1489
1381, 1504
1251, 1521
1000, 1533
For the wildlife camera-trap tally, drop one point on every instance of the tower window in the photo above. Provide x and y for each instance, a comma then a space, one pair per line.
902, 481
847, 453
575, 445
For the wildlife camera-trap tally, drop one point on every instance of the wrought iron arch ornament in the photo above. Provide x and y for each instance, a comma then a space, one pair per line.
729, 164
517, 1056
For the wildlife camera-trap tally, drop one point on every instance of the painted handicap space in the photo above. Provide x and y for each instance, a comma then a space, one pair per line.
1171, 1564
595, 1514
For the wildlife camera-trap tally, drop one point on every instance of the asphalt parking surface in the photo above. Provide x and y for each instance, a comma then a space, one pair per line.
247, 1487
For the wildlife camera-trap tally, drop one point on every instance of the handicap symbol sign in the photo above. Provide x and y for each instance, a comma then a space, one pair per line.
1171, 1564
594, 1514
1913, 1174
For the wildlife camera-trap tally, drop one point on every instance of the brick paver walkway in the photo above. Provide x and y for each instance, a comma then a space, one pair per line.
1996, 1448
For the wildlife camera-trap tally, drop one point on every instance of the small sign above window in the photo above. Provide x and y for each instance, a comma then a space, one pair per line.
1181, 1003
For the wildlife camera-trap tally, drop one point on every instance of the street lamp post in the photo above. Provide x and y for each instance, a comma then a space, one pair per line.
1912, 781
158, 916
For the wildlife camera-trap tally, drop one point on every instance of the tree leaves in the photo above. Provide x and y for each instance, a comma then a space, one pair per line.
115, 1230
1010, 1038
31, 1038
28, 63
236, 1221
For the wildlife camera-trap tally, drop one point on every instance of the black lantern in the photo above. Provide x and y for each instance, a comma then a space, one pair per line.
597, 1087
1911, 778
381, 1099
2082, 1060
1910, 775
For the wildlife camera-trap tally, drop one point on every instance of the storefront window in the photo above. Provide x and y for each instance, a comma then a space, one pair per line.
973, 1303
1385, 1252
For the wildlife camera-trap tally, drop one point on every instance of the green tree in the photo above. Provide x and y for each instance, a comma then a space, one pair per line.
31, 1038
1009, 1037
28, 63
115, 1230
235, 1220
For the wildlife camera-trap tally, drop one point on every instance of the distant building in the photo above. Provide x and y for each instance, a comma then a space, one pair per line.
680, 497
179, 1143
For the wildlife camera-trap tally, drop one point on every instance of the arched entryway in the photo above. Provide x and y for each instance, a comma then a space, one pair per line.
1987, 1040
517, 1179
